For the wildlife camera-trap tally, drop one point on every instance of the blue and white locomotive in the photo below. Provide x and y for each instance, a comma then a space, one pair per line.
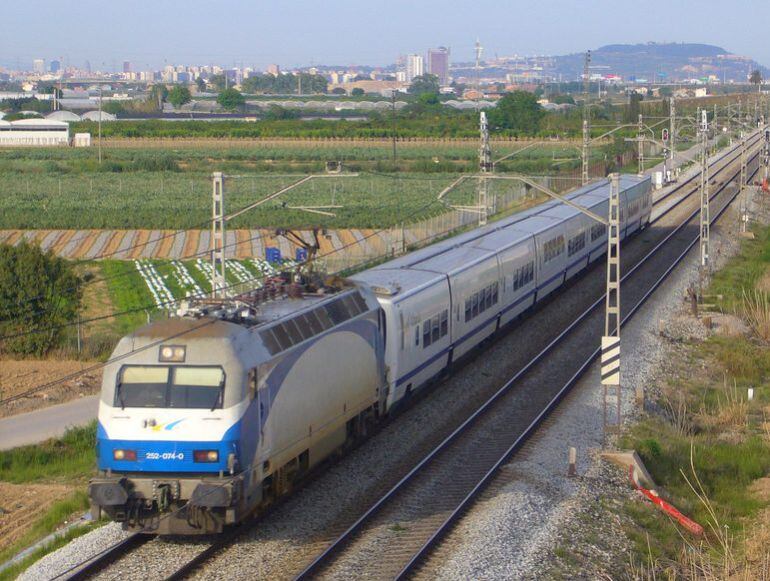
206, 417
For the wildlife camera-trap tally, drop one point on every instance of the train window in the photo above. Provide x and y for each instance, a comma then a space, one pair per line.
495, 293
488, 301
597, 231
417, 335
576, 244
444, 323
553, 248
435, 329
516, 284
360, 302
468, 311
475, 305
170, 387
426, 334
142, 387
196, 388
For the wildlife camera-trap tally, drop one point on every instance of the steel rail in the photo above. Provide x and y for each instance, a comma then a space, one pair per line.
110, 555
423, 552
332, 549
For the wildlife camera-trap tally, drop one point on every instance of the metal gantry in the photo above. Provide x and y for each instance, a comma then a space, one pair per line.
218, 236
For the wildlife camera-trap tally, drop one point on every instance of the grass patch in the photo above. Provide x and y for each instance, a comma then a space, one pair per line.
725, 469
743, 271
70, 458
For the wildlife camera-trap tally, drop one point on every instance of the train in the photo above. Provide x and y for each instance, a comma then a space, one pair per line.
208, 416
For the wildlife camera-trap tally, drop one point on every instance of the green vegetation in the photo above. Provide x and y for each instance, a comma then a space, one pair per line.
710, 443
48, 288
231, 99
165, 200
518, 111
285, 84
179, 95
69, 458
423, 84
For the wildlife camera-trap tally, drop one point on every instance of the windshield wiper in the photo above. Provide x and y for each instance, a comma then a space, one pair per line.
119, 393
220, 395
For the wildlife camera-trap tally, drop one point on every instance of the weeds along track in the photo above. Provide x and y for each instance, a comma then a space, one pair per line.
391, 527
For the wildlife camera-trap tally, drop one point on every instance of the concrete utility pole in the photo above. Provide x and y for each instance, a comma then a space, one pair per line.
485, 166
610, 366
100, 124
743, 162
218, 236
585, 151
640, 143
672, 136
479, 49
705, 221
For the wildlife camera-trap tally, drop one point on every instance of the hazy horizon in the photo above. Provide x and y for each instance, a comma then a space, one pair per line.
343, 32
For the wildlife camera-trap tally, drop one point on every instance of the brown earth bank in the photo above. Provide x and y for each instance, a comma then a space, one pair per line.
22, 504
18, 376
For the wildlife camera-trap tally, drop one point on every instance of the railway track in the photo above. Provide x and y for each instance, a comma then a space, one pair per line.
458, 463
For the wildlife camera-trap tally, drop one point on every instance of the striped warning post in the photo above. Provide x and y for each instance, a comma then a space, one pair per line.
610, 360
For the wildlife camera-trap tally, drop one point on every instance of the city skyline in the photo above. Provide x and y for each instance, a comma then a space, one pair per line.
340, 33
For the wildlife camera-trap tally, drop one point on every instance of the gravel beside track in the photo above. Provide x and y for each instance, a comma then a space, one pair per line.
299, 528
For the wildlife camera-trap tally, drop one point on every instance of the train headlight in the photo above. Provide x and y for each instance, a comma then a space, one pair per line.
206, 455
172, 353
129, 455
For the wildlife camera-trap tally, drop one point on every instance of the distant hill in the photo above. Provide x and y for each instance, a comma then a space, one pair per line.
661, 61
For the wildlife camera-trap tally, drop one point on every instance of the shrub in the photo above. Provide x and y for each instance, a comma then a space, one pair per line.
37, 291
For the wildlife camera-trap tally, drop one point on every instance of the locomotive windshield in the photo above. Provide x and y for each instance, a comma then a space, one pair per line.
161, 386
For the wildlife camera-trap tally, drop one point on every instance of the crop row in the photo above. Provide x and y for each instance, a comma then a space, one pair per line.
138, 201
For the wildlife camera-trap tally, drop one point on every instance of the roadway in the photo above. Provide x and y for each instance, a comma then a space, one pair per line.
51, 422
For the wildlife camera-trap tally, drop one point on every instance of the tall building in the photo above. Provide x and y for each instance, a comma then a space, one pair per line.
126, 66
38, 66
274, 70
54, 67
438, 64
415, 67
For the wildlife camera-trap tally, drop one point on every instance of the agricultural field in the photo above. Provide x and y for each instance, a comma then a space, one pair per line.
179, 202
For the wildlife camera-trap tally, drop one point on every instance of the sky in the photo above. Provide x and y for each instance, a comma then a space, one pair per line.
291, 33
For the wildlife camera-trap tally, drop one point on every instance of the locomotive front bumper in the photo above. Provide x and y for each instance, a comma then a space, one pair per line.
159, 505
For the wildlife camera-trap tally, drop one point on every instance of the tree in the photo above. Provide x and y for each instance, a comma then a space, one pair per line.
357, 92
563, 100
338, 91
201, 84
179, 95
219, 82
518, 111
158, 95
231, 99
49, 291
755, 78
276, 113
113, 107
424, 84
634, 108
